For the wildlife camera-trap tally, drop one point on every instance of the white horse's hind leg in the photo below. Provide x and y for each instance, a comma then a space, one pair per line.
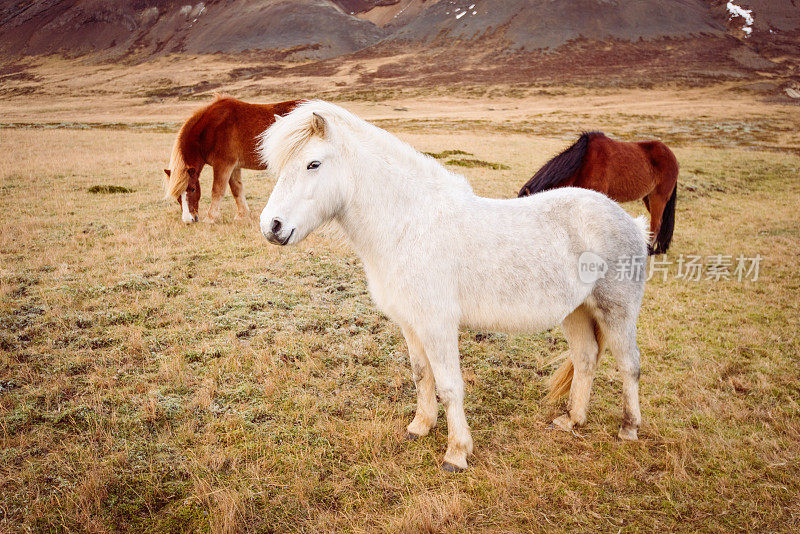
442, 352
579, 329
427, 408
622, 342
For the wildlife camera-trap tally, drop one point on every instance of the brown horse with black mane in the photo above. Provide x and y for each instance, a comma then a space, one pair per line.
223, 135
624, 172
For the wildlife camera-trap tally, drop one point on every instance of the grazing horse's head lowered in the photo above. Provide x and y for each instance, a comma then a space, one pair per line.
183, 182
311, 181
189, 199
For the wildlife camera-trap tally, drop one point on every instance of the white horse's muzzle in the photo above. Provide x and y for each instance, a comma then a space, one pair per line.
276, 231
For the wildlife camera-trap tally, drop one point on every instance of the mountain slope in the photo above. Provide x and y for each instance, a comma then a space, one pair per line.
539, 24
479, 31
316, 28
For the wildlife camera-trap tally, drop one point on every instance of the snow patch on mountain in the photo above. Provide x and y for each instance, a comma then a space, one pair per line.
460, 11
746, 14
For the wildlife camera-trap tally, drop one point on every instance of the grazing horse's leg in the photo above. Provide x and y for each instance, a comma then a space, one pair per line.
242, 210
579, 329
622, 342
222, 172
427, 408
655, 205
441, 347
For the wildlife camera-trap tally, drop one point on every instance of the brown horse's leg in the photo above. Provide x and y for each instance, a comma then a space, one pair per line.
242, 210
222, 172
655, 204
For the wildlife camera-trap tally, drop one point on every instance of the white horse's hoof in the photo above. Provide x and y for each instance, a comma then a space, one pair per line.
452, 468
564, 423
418, 428
410, 436
628, 434
455, 459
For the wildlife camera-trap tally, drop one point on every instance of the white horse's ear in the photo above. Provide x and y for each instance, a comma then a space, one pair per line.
318, 124
277, 117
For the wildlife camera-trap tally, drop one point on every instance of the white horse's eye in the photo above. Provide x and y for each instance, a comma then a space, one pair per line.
313, 165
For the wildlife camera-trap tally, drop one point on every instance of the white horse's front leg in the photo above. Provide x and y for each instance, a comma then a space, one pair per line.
442, 351
427, 408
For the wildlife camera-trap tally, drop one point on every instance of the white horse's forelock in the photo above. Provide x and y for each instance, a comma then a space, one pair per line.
275, 154
285, 137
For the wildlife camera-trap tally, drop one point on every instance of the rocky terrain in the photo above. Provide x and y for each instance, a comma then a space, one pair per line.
449, 41
308, 29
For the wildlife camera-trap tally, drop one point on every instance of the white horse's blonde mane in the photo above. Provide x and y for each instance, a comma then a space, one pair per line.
351, 134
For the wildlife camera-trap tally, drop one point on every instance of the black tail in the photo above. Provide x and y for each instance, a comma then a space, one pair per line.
667, 224
559, 168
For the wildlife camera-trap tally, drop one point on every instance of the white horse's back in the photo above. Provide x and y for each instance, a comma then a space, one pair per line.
516, 247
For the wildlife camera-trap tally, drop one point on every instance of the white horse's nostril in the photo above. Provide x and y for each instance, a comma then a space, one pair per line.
276, 225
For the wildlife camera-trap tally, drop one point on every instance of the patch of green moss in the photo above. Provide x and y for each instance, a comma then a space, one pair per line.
109, 189
447, 153
472, 163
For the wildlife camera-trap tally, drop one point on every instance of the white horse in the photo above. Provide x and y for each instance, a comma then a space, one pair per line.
438, 257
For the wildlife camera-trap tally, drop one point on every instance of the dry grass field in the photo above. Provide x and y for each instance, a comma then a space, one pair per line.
156, 377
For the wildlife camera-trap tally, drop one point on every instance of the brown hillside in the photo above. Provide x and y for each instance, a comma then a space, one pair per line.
141, 29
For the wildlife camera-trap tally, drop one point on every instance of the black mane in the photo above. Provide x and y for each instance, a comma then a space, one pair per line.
560, 167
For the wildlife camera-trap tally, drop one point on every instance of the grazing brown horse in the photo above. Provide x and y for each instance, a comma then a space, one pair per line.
624, 172
223, 135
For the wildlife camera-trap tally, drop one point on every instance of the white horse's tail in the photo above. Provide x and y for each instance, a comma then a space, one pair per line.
561, 381
641, 223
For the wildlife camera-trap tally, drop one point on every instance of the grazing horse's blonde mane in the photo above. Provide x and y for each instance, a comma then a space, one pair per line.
351, 134
176, 183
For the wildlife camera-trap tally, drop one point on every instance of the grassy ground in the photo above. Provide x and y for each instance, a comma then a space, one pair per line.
156, 377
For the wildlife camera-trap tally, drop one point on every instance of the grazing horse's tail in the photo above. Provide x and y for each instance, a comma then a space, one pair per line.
667, 224
560, 168
561, 381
